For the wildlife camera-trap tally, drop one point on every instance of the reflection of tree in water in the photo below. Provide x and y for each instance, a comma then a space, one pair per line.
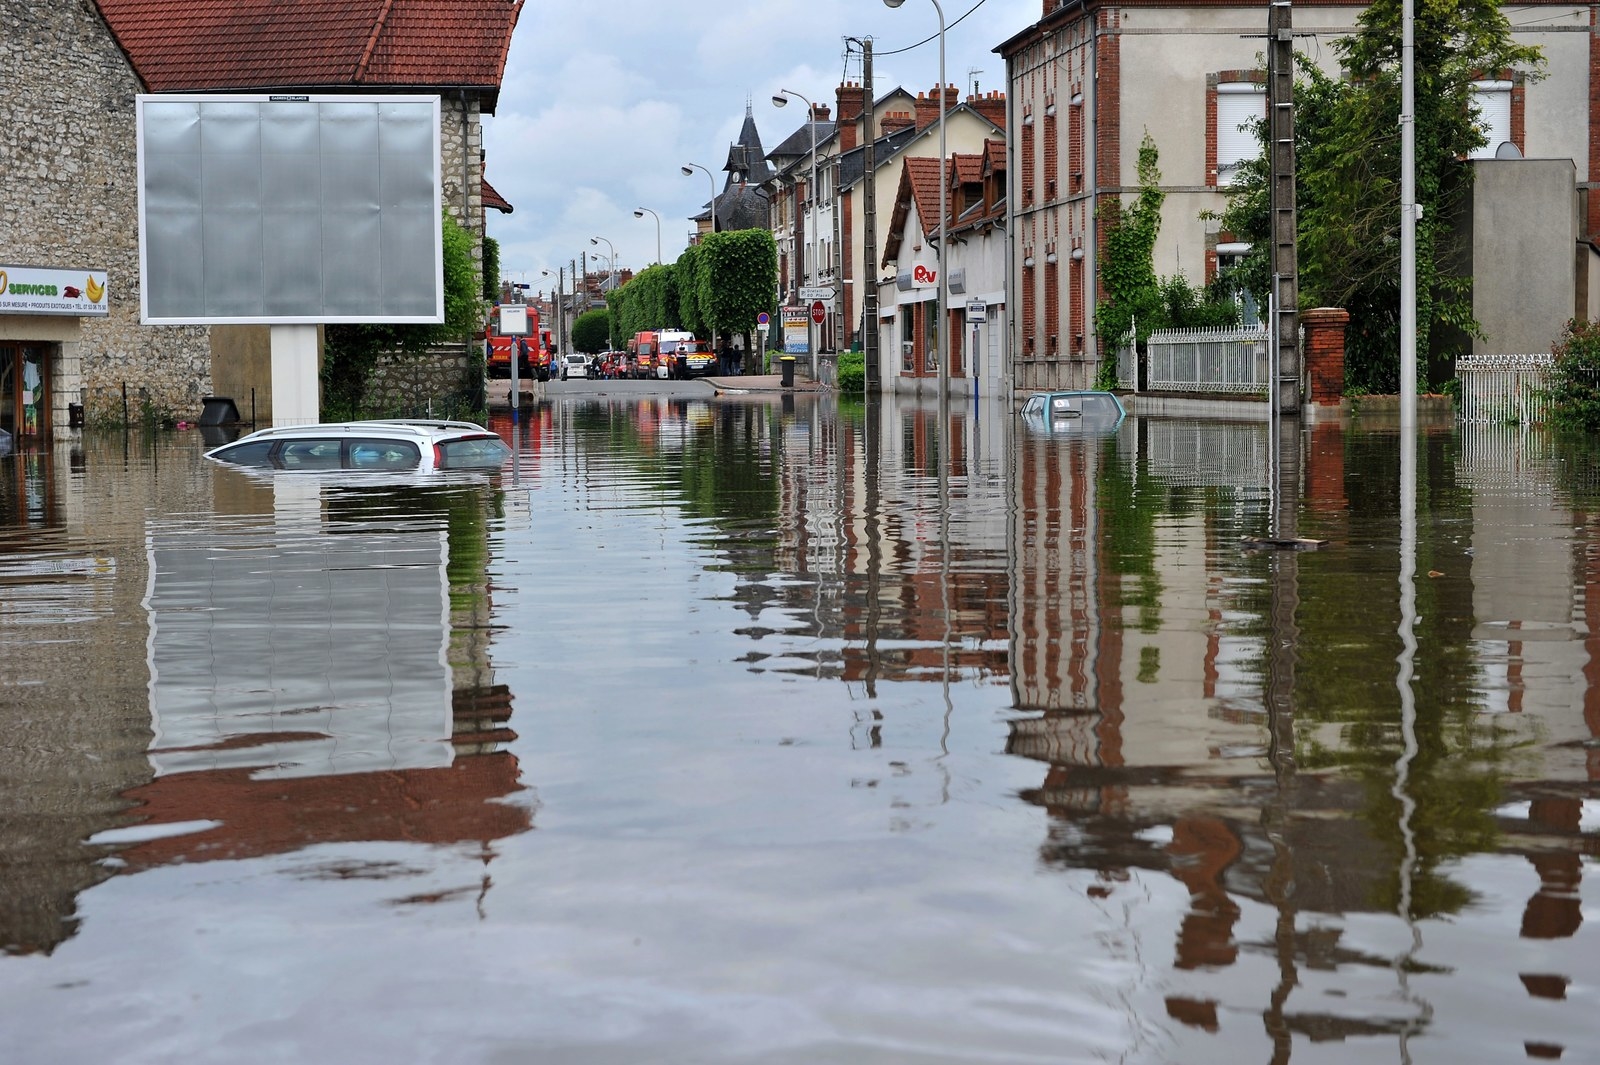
1349, 642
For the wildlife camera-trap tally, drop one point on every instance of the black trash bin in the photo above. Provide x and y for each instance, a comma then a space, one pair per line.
787, 362
218, 410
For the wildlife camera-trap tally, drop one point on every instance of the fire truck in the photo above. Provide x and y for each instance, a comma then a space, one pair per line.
499, 347
655, 353
643, 351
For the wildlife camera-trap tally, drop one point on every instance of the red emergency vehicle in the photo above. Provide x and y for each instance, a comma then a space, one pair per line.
499, 347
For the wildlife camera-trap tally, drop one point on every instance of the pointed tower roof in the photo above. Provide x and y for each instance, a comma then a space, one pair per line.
746, 156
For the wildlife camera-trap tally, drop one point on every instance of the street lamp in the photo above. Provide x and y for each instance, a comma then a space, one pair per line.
613, 276
781, 99
560, 306
944, 182
688, 171
640, 212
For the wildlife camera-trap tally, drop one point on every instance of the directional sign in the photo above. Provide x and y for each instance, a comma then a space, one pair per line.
819, 312
816, 294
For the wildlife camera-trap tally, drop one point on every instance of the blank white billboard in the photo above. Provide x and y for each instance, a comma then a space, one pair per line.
289, 209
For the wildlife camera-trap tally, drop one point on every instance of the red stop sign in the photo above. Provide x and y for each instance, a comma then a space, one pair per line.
819, 313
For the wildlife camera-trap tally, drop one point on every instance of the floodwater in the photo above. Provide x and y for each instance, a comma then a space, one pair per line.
709, 733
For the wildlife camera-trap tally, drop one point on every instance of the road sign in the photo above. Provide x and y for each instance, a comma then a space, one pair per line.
763, 319
819, 312
977, 311
816, 293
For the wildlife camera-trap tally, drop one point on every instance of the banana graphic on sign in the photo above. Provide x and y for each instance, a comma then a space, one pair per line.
93, 290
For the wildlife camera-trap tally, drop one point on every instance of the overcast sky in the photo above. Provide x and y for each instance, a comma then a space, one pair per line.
603, 102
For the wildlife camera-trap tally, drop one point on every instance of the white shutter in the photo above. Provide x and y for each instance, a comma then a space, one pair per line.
1238, 104
1492, 99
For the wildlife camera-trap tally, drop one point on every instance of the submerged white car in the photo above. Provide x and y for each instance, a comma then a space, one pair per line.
377, 446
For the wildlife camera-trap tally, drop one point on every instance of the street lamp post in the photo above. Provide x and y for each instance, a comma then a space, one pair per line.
640, 212
688, 171
943, 352
779, 99
613, 262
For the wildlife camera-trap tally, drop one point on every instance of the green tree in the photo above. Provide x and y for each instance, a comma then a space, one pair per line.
350, 351
491, 269
1575, 384
736, 278
591, 330
1348, 179
687, 270
648, 301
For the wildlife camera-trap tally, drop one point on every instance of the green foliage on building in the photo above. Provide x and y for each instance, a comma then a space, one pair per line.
1348, 180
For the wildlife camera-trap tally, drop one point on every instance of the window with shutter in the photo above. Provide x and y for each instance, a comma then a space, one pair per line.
1492, 101
1239, 105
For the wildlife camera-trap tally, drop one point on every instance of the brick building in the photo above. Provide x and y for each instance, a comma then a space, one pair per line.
1091, 78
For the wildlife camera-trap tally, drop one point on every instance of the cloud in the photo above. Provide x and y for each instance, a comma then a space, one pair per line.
601, 104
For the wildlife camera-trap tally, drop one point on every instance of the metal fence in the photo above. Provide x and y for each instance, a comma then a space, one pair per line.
1200, 360
1505, 389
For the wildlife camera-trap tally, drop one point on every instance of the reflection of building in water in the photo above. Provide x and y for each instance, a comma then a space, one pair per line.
859, 524
1166, 768
307, 679
78, 694
73, 683
1536, 603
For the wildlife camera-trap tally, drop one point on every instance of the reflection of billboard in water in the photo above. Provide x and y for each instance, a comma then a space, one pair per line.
301, 653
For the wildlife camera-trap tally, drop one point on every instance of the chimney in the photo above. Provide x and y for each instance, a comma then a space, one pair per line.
896, 120
928, 105
851, 99
991, 105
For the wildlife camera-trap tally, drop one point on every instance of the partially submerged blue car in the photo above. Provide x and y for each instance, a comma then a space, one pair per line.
1073, 412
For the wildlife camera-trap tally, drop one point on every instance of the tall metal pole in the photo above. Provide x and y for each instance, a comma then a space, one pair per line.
942, 328
688, 170
1285, 318
869, 227
811, 214
1408, 219
944, 256
640, 212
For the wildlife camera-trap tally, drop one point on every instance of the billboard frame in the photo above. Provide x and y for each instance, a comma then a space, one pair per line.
395, 293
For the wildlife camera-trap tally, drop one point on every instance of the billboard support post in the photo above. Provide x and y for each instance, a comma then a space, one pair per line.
296, 398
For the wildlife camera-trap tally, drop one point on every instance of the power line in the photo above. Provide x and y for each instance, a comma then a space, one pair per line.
935, 37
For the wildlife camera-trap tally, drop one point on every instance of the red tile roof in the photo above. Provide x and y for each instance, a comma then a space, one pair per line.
243, 45
969, 168
492, 198
919, 187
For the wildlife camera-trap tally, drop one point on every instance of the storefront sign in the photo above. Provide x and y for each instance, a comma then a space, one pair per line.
43, 290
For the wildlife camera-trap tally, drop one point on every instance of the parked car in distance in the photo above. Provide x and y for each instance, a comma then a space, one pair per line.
576, 365
376, 446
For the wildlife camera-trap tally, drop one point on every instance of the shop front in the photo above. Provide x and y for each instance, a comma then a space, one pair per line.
41, 310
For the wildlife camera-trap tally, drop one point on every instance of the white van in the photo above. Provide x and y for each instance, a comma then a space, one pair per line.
576, 365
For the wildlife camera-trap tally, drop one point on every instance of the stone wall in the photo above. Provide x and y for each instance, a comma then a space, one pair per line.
414, 386
461, 166
69, 198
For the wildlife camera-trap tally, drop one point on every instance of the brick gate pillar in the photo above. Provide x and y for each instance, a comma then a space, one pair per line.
1324, 332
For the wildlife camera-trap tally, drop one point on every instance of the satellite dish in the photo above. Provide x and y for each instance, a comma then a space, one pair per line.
1507, 150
